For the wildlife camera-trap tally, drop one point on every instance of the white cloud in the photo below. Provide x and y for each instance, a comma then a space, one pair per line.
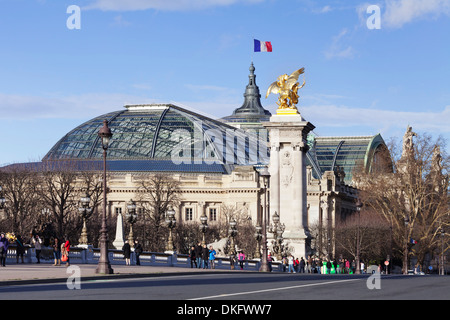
376, 119
400, 12
338, 48
165, 5
47, 107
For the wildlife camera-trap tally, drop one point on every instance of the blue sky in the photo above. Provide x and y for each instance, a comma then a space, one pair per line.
196, 53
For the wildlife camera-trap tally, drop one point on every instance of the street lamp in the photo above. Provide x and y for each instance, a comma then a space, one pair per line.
277, 229
258, 237
204, 227
264, 264
358, 237
131, 217
85, 212
232, 232
104, 266
405, 253
171, 223
441, 268
2, 199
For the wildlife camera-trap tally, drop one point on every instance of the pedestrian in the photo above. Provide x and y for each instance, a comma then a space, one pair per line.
37, 242
241, 258
284, 263
193, 257
334, 265
309, 264
126, 252
57, 252
138, 251
205, 257
269, 261
340, 266
291, 264
65, 251
328, 266
347, 266
20, 248
198, 254
212, 257
302, 265
362, 267
296, 263
4, 244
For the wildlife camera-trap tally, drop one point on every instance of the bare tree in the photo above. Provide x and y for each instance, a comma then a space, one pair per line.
413, 197
22, 201
157, 193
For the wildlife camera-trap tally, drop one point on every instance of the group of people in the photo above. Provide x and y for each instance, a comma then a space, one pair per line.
60, 249
127, 252
327, 266
202, 257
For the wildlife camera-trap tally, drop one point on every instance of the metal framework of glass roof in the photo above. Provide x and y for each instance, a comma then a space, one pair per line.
329, 153
162, 132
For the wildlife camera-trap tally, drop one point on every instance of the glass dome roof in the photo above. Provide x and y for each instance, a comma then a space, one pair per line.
158, 132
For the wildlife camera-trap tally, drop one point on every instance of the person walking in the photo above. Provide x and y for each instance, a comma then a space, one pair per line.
302, 265
241, 258
4, 244
65, 250
291, 264
20, 248
192, 256
212, 257
328, 266
37, 242
57, 252
205, 257
126, 252
138, 251
198, 255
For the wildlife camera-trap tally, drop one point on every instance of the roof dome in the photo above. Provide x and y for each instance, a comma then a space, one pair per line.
155, 132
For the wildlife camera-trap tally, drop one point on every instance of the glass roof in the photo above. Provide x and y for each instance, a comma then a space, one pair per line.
160, 132
329, 153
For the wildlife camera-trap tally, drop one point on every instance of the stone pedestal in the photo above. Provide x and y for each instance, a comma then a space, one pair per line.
288, 147
119, 240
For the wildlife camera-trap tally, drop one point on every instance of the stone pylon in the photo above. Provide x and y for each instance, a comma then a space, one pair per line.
288, 147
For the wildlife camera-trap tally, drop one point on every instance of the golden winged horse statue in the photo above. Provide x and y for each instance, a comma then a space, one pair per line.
287, 87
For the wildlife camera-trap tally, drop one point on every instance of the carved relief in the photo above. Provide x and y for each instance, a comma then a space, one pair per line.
287, 168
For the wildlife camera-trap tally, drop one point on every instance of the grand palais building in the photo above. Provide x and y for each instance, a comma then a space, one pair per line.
217, 161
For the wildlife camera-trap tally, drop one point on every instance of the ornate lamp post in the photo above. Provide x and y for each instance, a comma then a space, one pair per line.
258, 237
131, 217
441, 264
204, 227
2, 199
103, 263
405, 252
85, 212
171, 223
232, 232
264, 264
358, 236
277, 229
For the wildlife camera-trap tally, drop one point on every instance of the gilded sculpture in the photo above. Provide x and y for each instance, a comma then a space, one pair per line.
287, 87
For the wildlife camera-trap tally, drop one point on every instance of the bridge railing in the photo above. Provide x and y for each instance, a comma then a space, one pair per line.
90, 255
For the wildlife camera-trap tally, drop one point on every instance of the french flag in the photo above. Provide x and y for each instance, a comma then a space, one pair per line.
262, 46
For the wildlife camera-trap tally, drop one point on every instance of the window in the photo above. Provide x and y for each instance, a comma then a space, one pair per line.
212, 214
188, 214
118, 210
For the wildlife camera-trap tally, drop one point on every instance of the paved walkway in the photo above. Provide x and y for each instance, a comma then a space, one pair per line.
32, 273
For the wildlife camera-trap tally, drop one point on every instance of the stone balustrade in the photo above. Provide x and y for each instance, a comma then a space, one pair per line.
90, 255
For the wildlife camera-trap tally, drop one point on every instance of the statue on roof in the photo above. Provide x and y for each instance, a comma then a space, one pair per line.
408, 146
287, 87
